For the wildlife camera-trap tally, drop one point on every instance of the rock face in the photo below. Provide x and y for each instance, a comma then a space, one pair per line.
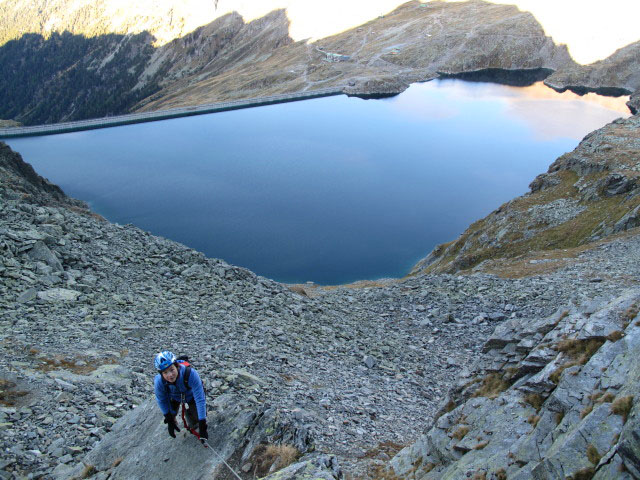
549, 398
383, 56
618, 74
586, 195
139, 446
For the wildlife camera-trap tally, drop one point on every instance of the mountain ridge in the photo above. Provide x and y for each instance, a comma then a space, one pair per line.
229, 59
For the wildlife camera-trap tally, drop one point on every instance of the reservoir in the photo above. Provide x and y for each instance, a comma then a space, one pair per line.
329, 190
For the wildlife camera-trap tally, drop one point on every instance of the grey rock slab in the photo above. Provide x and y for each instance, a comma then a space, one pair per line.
140, 438
27, 295
41, 252
59, 295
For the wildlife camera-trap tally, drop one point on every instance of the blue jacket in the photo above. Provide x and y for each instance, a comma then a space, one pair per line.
166, 391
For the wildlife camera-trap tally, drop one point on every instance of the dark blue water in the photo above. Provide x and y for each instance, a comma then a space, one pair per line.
329, 190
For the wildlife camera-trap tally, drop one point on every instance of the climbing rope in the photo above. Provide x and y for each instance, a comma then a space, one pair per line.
204, 441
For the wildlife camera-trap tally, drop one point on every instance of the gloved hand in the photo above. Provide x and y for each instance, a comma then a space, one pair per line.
203, 429
170, 420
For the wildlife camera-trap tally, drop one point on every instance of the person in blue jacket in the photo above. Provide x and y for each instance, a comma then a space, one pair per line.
171, 390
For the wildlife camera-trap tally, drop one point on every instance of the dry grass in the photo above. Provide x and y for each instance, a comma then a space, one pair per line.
603, 397
383, 472
533, 420
593, 455
460, 433
479, 476
299, 289
8, 396
450, 406
586, 411
79, 364
389, 448
535, 400
270, 458
481, 445
615, 336
492, 385
631, 313
117, 462
581, 350
584, 474
559, 417
500, 474
622, 406
578, 351
87, 471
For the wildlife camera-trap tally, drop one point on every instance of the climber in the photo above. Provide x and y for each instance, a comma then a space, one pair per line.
176, 384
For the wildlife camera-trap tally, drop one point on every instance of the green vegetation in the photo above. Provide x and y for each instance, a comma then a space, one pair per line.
72, 77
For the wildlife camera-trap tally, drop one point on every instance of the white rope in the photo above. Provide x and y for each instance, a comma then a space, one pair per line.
220, 457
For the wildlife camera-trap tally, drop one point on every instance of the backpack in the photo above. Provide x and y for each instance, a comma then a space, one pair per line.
184, 360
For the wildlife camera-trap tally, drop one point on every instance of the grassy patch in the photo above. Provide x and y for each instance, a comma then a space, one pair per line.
270, 458
631, 313
533, 420
578, 352
390, 448
460, 432
592, 454
559, 417
615, 336
622, 406
586, 411
535, 400
492, 385
450, 406
584, 474
500, 474
481, 445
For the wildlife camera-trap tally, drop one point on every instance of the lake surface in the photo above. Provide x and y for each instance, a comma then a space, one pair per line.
329, 190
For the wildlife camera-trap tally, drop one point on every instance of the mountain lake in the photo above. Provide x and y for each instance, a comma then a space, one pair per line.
329, 190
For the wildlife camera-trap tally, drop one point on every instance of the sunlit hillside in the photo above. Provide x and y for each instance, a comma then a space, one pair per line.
592, 29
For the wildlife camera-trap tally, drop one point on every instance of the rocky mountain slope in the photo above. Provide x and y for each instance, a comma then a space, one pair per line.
551, 398
108, 65
363, 370
587, 194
